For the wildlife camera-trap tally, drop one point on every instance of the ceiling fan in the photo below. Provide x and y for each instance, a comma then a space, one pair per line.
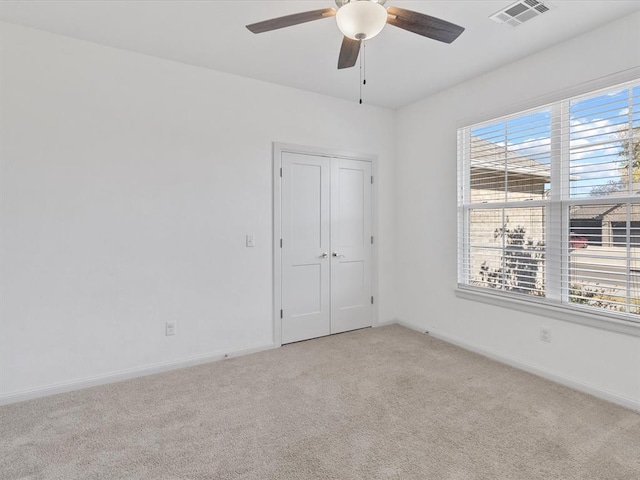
361, 20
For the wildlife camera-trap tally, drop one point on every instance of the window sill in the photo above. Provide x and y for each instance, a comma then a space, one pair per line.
565, 313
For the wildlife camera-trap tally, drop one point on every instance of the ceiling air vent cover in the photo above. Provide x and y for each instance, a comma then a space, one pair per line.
520, 12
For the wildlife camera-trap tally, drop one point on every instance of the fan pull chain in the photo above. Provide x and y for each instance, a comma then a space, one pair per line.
361, 50
364, 61
363, 67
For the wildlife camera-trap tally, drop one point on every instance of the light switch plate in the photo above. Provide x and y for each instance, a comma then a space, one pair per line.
170, 328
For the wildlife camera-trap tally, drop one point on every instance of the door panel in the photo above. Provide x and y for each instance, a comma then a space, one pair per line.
350, 245
308, 300
305, 233
350, 289
350, 222
306, 205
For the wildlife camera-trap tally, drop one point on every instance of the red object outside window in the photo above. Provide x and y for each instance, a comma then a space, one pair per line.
579, 242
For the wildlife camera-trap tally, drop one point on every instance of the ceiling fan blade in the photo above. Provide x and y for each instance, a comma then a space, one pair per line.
424, 25
348, 53
289, 20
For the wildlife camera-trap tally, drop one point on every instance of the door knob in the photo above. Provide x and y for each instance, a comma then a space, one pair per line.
324, 255
336, 254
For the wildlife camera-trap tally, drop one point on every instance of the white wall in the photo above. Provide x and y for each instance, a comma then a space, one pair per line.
128, 184
604, 361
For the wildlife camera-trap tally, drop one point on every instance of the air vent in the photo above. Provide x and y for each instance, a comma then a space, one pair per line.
520, 12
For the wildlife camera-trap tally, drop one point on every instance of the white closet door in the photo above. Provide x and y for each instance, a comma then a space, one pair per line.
350, 245
305, 250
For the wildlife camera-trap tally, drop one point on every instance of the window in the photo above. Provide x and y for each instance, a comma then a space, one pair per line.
549, 204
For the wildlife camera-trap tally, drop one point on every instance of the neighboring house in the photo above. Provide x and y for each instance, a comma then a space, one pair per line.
598, 252
604, 259
605, 225
524, 179
498, 174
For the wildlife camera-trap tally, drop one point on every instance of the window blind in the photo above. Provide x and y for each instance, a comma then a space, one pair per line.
549, 203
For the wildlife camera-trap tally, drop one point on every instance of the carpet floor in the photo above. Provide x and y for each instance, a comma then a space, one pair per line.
384, 403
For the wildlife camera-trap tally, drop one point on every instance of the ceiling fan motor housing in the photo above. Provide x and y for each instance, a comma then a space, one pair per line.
361, 19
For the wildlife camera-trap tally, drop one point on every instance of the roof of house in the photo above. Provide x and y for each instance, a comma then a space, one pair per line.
492, 156
611, 212
597, 212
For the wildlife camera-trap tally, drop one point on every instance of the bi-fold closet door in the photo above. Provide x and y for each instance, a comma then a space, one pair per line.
326, 256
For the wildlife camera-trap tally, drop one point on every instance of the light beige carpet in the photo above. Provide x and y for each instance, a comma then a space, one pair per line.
385, 403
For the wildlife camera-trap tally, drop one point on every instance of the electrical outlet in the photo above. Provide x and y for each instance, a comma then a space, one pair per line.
171, 328
545, 334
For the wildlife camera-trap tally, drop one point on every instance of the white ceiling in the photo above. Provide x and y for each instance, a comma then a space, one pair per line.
401, 67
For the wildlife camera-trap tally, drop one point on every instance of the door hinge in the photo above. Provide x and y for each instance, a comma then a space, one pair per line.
280, 243
281, 314
371, 239
372, 179
372, 300
280, 172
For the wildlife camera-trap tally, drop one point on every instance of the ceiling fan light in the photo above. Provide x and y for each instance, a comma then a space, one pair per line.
361, 20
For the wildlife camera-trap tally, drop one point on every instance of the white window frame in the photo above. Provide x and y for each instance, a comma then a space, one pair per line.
556, 303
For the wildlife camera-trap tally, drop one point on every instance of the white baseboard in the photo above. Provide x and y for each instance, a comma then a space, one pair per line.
402, 323
385, 323
540, 371
213, 357
119, 376
411, 326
